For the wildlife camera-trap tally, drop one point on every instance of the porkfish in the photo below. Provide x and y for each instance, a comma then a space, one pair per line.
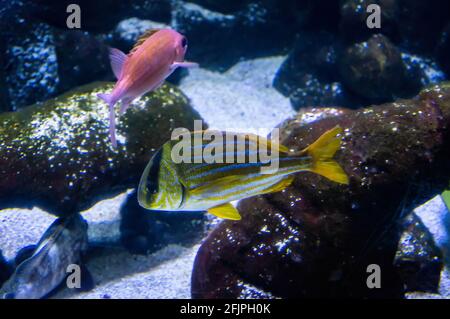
208, 185
154, 57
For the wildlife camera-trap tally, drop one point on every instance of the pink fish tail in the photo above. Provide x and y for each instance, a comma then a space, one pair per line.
108, 98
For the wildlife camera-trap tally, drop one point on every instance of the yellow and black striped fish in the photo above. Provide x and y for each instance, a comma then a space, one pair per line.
210, 186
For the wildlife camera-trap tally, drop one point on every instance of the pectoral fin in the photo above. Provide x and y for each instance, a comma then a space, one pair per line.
226, 211
184, 64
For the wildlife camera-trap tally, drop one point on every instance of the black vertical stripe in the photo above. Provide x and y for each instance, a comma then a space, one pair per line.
152, 183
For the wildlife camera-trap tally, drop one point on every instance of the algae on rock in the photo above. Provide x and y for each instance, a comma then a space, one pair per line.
57, 154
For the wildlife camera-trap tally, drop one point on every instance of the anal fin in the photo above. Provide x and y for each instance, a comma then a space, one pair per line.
226, 211
278, 187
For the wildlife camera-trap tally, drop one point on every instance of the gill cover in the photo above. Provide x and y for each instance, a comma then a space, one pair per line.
160, 188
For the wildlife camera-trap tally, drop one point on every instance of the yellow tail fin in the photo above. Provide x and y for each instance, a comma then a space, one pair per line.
322, 152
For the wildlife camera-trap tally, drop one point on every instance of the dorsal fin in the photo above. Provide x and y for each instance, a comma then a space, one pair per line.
147, 34
117, 59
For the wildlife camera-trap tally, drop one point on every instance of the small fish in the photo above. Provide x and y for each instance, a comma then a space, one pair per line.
153, 58
42, 269
211, 186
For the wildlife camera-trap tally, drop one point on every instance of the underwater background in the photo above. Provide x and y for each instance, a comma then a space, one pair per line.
300, 65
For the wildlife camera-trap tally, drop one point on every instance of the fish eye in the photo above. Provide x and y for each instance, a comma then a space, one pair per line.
184, 42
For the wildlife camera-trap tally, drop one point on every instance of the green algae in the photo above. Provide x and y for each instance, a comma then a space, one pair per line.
446, 197
57, 154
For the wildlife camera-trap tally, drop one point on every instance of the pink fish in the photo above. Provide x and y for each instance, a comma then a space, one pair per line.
154, 57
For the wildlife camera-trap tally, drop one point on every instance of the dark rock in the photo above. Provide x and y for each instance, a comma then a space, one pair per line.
204, 47
230, 6
418, 260
143, 231
102, 16
251, 32
128, 31
413, 24
296, 14
353, 24
315, 53
29, 62
5, 269
82, 58
375, 71
316, 238
420, 23
443, 50
422, 70
57, 155
310, 75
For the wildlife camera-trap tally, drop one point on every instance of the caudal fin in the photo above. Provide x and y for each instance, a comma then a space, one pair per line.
112, 118
322, 152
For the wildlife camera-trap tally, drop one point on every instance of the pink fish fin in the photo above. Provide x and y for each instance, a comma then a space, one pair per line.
105, 97
112, 126
124, 105
184, 64
112, 118
117, 59
147, 34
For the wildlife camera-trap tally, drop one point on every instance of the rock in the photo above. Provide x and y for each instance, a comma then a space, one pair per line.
207, 47
401, 20
58, 155
422, 70
230, 37
143, 231
435, 217
103, 16
41, 62
375, 70
310, 76
415, 35
353, 22
230, 6
5, 269
129, 30
82, 58
443, 50
316, 238
30, 63
418, 259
